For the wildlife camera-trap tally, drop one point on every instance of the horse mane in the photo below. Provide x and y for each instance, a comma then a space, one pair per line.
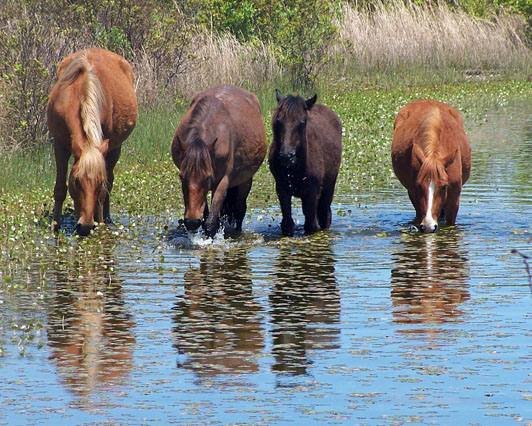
197, 160
291, 105
91, 162
428, 139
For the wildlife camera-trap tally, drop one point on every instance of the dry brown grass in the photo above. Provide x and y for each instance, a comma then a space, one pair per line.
397, 35
213, 59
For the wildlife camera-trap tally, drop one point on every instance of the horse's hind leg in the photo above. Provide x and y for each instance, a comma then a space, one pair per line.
324, 207
60, 189
240, 206
110, 162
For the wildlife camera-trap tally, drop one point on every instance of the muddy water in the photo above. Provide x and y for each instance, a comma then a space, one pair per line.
368, 323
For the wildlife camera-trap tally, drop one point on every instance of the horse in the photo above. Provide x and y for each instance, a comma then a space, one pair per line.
304, 158
431, 157
91, 110
218, 146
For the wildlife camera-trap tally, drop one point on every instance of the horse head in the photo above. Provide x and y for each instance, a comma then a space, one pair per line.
88, 187
289, 124
430, 187
197, 175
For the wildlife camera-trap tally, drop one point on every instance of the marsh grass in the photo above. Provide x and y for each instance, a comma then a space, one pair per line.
388, 44
214, 59
29, 168
397, 35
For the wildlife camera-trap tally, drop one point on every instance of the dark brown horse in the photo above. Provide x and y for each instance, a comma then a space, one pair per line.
432, 159
304, 159
92, 109
218, 146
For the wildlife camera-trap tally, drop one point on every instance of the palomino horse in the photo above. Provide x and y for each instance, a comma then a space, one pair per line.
432, 159
92, 109
218, 146
304, 159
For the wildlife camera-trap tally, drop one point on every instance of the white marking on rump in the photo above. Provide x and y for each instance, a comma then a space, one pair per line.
430, 223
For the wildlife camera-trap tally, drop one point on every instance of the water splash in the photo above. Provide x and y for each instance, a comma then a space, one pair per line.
199, 239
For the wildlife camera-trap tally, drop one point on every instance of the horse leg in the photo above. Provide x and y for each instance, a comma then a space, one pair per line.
285, 199
60, 189
310, 207
110, 162
212, 223
451, 208
324, 207
228, 206
419, 214
240, 206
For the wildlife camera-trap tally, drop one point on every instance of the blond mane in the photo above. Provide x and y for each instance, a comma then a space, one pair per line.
429, 132
91, 163
428, 139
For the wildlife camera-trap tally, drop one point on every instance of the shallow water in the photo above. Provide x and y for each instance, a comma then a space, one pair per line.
368, 323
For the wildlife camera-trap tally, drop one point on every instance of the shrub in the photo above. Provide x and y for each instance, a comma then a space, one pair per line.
30, 48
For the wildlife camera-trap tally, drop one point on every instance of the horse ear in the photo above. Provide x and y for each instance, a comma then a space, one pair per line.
278, 95
401, 116
417, 153
104, 147
449, 158
309, 103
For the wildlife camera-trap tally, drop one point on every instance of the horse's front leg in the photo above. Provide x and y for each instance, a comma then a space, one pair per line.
451, 206
110, 162
60, 189
212, 223
285, 200
240, 205
310, 207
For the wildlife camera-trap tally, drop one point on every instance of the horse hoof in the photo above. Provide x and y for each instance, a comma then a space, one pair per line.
84, 230
192, 224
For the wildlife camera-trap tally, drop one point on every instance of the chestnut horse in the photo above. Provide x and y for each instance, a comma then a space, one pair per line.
432, 159
92, 109
218, 146
304, 159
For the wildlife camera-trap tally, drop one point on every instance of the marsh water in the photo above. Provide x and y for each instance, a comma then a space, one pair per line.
369, 323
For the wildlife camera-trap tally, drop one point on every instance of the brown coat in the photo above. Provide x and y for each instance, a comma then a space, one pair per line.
218, 146
430, 145
92, 109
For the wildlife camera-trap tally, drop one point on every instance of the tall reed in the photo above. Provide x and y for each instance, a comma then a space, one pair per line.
397, 35
214, 59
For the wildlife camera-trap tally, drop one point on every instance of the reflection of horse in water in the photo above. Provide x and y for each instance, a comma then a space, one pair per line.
89, 329
217, 321
305, 302
429, 279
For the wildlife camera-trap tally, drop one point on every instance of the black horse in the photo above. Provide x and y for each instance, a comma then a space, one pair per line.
304, 159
